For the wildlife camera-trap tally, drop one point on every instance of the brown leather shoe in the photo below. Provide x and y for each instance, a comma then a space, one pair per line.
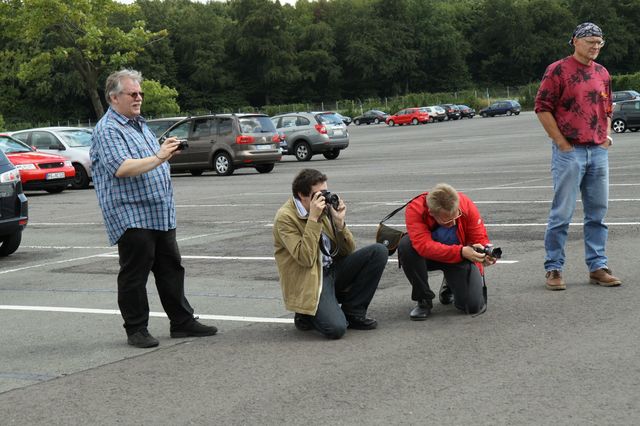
604, 278
554, 280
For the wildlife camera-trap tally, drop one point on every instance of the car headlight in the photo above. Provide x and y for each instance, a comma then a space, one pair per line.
26, 166
68, 163
12, 175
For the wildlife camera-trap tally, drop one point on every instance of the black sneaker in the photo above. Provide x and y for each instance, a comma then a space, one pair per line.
142, 339
302, 322
445, 295
193, 329
420, 312
361, 323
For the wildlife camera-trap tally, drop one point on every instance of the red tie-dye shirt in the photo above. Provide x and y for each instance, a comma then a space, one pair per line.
579, 97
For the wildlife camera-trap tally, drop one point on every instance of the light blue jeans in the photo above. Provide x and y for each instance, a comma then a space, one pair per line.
584, 169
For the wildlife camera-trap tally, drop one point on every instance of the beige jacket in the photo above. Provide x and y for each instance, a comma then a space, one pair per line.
299, 259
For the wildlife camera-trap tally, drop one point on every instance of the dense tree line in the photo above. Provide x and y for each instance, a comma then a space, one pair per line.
55, 54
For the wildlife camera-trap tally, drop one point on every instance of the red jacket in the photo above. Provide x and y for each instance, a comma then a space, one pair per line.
420, 223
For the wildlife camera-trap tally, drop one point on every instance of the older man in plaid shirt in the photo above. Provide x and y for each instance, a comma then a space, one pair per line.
133, 185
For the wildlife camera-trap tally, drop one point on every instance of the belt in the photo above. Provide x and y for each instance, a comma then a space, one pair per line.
585, 144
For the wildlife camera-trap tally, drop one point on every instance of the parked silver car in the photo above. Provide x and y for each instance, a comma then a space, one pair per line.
72, 143
309, 133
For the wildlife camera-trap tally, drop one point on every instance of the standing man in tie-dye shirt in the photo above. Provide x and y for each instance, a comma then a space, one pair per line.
574, 106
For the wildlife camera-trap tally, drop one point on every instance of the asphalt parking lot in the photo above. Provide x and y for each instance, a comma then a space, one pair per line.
535, 357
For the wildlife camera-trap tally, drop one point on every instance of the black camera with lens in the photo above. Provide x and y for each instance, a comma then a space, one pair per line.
330, 198
183, 145
490, 250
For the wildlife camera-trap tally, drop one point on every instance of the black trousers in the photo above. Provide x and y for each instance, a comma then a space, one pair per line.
347, 289
464, 278
142, 251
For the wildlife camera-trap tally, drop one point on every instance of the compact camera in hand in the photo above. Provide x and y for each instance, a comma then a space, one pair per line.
331, 199
183, 145
490, 250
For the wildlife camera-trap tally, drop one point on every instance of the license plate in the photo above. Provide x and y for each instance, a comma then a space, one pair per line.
263, 147
337, 132
56, 175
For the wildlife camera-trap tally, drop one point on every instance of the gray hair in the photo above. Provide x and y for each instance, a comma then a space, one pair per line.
443, 198
113, 85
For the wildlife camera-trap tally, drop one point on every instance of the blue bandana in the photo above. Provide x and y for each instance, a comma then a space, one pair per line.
586, 29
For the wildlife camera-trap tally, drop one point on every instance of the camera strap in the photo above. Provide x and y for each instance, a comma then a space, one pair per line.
335, 251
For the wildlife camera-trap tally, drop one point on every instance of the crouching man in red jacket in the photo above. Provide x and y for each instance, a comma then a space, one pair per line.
443, 229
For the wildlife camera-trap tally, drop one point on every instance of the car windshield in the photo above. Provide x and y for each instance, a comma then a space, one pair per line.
76, 138
376, 111
329, 118
9, 145
256, 124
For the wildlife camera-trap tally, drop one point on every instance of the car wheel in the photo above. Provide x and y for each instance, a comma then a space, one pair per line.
635, 129
516, 113
81, 179
222, 164
196, 172
484, 115
331, 155
265, 168
430, 119
302, 151
619, 126
55, 189
391, 123
356, 122
509, 113
414, 122
10, 243
376, 121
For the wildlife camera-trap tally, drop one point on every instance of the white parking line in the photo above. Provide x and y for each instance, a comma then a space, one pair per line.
152, 314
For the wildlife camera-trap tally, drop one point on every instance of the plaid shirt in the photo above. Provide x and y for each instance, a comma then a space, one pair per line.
144, 201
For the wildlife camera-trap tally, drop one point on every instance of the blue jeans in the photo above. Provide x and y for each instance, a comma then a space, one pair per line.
584, 169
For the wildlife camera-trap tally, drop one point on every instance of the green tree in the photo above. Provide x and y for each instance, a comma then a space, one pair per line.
159, 100
81, 34
261, 50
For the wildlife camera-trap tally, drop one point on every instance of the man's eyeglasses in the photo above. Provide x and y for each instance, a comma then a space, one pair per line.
135, 94
594, 43
448, 221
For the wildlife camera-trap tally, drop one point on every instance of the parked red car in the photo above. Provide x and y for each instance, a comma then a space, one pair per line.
408, 116
38, 170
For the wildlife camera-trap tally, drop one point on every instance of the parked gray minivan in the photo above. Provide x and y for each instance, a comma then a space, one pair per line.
225, 142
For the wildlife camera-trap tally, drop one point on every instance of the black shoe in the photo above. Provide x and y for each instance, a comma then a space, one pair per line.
420, 312
445, 295
361, 323
302, 322
193, 329
142, 339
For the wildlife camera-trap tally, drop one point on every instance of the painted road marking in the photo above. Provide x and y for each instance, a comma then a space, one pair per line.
152, 314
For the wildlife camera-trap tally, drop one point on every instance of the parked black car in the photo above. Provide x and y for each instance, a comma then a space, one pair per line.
626, 115
372, 116
466, 111
453, 113
13, 207
625, 95
508, 107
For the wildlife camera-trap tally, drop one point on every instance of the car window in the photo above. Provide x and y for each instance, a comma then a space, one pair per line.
257, 124
225, 127
628, 106
22, 137
302, 121
201, 128
159, 127
76, 138
329, 118
181, 131
43, 140
9, 145
289, 121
